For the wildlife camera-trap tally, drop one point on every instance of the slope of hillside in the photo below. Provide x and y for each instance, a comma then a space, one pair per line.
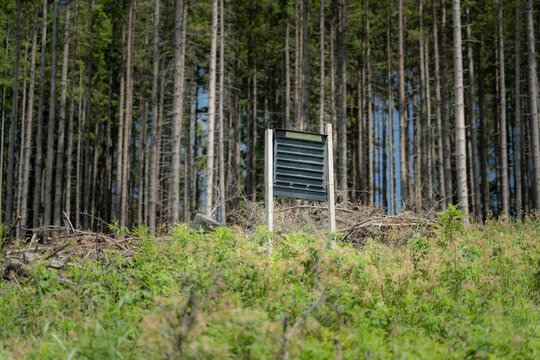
463, 293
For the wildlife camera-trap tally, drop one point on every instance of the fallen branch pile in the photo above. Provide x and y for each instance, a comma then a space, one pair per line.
68, 247
355, 221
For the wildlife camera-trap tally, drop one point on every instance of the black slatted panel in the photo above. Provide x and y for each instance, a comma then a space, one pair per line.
299, 165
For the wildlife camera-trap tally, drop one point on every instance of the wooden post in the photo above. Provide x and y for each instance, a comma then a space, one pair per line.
330, 183
269, 179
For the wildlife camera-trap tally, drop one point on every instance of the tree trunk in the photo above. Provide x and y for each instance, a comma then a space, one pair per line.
87, 122
461, 150
2, 126
154, 137
255, 121
29, 119
402, 110
502, 112
370, 117
124, 206
120, 147
51, 127
297, 66
61, 124
222, 179
393, 183
533, 104
305, 65
421, 154
447, 151
287, 119
342, 105
484, 154
13, 119
519, 130
322, 68
474, 147
211, 114
438, 110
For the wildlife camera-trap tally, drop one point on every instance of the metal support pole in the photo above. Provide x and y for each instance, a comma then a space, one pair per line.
269, 179
330, 184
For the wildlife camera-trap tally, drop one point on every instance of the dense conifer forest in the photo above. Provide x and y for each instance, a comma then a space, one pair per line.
148, 111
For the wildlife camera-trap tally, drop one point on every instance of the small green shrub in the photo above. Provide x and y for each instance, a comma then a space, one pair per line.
450, 223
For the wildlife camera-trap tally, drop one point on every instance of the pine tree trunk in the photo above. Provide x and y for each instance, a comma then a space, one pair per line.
188, 157
423, 145
342, 105
13, 124
88, 101
474, 147
393, 182
370, 116
322, 68
431, 131
29, 119
155, 137
222, 178
305, 65
297, 65
484, 138
402, 110
519, 130
287, 119
69, 139
461, 148
20, 157
120, 152
360, 135
2, 127
124, 206
47, 211
209, 203
438, 110
445, 98
255, 121
61, 124
533, 103
502, 112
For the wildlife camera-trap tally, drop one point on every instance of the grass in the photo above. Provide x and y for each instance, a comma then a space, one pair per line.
473, 294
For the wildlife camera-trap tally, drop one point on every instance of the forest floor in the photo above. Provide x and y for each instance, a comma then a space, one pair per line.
423, 289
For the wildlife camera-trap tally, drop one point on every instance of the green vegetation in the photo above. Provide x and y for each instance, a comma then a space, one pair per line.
471, 292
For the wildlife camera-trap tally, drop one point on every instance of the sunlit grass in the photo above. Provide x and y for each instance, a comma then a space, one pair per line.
472, 293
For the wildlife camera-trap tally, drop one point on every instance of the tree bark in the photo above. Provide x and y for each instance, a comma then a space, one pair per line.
438, 110
519, 129
124, 206
533, 103
342, 105
29, 119
393, 182
209, 203
474, 147
370, 117
47, 211
460, 113
13, 119
120, 152
287, 119
445, 98
402, 110
322, 68
305, 65
61, 124
154, 137
222, 178
502, 112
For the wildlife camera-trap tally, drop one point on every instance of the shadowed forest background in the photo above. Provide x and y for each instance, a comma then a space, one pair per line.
149, 111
